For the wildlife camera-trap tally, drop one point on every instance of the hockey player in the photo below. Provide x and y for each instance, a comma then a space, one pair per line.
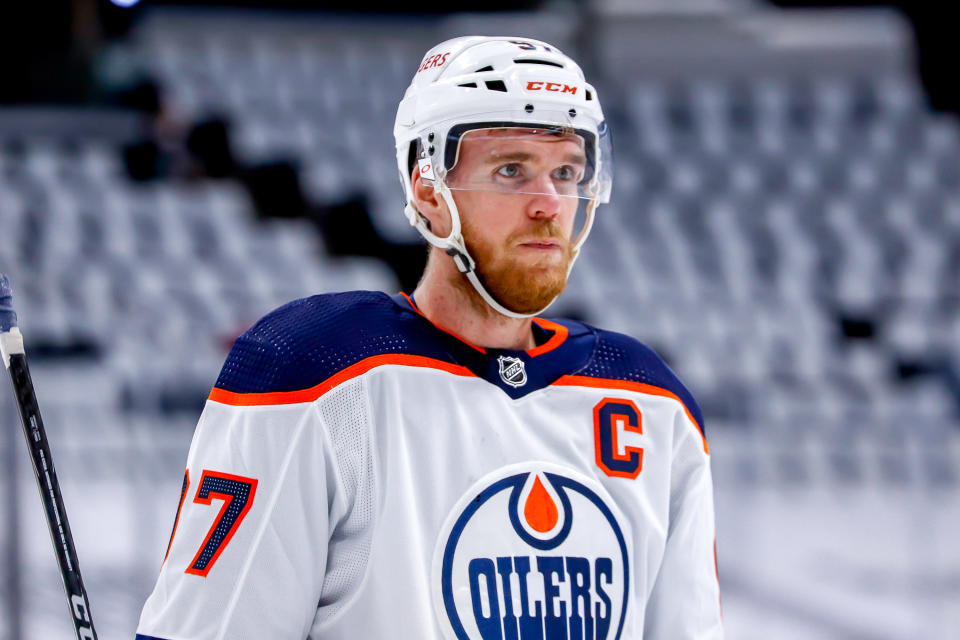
447, 465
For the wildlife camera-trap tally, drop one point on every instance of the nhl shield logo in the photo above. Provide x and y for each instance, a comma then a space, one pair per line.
512, 371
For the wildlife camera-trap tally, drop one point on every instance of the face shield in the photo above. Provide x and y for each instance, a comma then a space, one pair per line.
561, 169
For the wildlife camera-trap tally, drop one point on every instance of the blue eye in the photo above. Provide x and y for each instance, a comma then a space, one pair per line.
509, 170
564, 173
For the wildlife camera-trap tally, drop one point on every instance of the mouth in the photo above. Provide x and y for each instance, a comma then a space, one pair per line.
542, 244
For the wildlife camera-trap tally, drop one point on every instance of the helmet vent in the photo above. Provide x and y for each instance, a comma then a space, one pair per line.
496, 85
546, 62
486, 68
589, 95
469, 85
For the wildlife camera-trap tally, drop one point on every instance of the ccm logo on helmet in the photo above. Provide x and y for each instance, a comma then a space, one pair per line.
551, 86
434, 61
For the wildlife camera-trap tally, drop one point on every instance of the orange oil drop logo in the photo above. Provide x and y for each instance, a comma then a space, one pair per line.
540, 510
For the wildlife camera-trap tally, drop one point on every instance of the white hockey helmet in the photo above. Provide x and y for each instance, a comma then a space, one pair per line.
481, 83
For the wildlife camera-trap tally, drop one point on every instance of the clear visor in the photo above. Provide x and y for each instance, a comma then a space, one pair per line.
549, 161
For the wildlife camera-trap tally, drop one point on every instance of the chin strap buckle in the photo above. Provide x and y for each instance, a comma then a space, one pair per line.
463, 261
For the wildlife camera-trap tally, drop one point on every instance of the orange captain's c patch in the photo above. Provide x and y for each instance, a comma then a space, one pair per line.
611, 417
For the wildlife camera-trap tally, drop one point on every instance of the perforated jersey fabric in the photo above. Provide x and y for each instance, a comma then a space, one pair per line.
346, 417
308, 340
620, 357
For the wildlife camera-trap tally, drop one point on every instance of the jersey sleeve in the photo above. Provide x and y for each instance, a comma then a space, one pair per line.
247, 559
262, 495
685, 600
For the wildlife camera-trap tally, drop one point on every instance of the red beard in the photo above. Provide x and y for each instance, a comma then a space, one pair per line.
521, 283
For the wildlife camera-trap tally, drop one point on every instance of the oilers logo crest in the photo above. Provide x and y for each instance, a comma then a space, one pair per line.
533, 551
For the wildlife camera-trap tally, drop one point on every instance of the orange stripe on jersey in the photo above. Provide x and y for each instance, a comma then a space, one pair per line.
627, 385
309, 395
560, 334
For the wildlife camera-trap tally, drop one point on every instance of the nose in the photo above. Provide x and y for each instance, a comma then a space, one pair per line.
545, 201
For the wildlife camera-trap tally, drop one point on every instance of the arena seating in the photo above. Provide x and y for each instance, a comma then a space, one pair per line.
750, 219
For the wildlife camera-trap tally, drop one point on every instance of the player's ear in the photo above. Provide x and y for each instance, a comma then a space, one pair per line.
430, 205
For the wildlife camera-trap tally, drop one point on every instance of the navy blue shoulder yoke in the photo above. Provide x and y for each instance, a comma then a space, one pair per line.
304, 342
619, 357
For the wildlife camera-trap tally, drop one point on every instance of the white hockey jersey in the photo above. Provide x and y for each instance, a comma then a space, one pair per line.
359, 473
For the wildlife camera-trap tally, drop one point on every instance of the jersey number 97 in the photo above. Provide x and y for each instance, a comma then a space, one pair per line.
236, 493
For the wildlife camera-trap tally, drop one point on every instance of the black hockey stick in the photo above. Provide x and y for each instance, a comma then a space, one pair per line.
15, 360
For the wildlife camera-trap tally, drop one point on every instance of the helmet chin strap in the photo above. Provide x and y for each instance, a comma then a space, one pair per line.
454, 246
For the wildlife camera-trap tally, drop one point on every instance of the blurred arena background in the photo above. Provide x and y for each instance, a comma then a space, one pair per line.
785, 230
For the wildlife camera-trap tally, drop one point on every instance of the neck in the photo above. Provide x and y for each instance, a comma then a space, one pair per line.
448, 300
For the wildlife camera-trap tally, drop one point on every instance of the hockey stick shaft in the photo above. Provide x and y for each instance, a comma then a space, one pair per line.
15, 359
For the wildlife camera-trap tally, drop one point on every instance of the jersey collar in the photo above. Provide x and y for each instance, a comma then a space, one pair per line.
564, 348
548, 334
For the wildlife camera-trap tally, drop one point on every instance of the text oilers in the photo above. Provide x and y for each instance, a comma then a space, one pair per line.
533, 551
